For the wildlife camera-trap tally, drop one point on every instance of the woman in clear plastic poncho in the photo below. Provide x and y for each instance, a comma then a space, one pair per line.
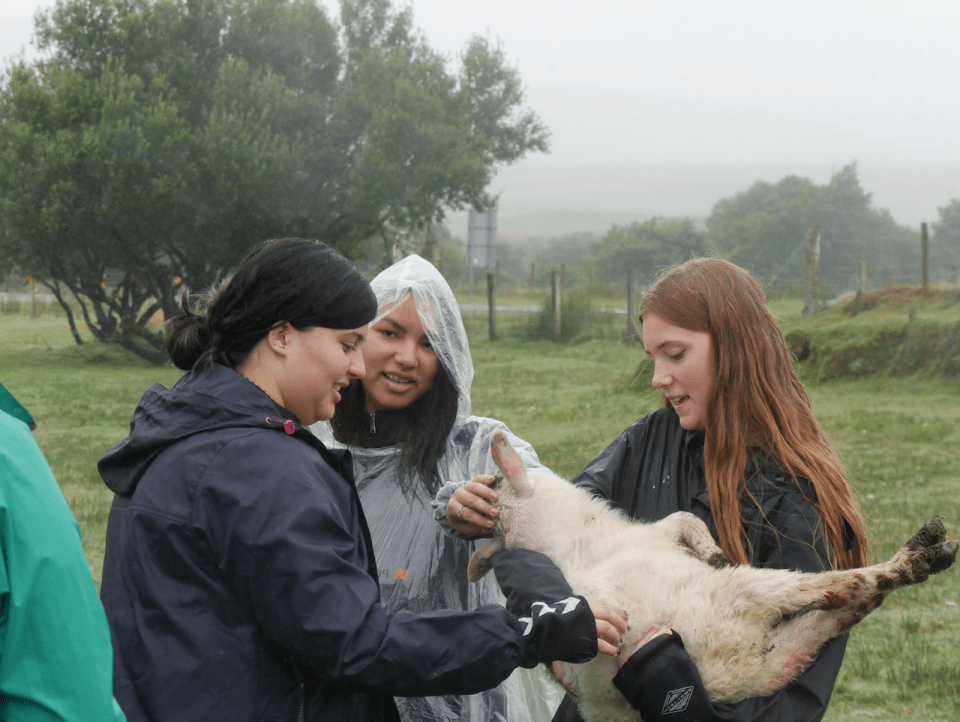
410, 431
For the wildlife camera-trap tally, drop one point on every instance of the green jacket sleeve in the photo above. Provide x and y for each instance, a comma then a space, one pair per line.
56, 660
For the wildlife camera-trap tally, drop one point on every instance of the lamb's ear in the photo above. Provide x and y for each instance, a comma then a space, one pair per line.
480, 561
507, 459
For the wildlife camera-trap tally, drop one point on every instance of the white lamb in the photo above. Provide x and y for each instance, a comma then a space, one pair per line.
671, 573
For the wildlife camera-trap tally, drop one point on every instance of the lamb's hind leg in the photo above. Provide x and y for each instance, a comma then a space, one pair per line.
846, 597
792, 647
854, 593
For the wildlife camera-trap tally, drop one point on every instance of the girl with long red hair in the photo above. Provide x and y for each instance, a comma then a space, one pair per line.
737, 444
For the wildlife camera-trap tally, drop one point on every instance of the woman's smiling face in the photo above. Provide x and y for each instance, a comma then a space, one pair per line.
682, 368
400, 361
318, 363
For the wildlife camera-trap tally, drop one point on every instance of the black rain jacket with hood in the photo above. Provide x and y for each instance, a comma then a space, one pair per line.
654, 469
239, 579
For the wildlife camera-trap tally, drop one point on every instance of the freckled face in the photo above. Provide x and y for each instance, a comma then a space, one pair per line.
400, 360
682, 367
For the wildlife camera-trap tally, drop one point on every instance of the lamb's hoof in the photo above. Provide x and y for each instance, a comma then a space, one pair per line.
932, 534
944, 557
929, 552
478, 567
719, 561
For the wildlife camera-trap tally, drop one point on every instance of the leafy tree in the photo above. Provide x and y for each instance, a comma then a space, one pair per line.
587, 259
570, 252
646, 247
432, 241
762, 228
164, 138
74, 195
765, 229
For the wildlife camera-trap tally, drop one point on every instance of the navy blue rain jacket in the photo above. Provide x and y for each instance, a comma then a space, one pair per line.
239, 579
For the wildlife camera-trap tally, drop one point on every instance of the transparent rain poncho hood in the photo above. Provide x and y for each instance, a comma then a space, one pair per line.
439, 313
421, 567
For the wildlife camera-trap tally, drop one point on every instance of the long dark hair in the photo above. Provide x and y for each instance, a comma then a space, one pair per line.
301, 282
421, 429
756, 401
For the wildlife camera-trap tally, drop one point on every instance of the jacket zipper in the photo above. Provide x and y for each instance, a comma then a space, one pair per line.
303, 695
373, 423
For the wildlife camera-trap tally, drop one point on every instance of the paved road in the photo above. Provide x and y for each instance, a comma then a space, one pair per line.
27, 297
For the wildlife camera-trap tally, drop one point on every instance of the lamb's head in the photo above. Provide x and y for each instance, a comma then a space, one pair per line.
514, 488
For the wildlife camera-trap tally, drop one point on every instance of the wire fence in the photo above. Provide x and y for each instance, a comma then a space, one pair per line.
581, 320
584, 314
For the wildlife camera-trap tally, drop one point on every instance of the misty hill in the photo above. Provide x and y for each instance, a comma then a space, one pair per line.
543, 199
620, 157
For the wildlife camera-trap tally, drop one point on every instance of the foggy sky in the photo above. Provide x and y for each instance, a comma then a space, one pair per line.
704, 81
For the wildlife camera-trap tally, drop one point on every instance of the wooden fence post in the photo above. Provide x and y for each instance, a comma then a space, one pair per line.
924, 258
811, 304
492, 304
555, 286
633, 331
862, 270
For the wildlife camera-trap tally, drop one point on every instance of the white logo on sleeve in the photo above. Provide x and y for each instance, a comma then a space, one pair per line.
564, 606
677, 700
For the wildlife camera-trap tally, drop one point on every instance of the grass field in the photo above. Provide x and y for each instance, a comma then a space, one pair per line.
900, 438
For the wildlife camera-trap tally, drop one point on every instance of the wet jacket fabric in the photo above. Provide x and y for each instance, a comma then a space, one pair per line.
421, 568
55, 653
654, 469
239, 576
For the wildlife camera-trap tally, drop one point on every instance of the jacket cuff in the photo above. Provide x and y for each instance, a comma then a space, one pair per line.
439, 506
662, 683
563, 630
526, 577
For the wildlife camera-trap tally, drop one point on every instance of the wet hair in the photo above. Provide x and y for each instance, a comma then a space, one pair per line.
421, 427
756, 402
301, 282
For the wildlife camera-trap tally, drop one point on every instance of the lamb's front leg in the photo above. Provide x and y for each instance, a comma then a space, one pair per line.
690, 532
480, 562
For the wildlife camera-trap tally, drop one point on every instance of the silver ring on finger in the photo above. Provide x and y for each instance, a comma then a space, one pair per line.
460, 512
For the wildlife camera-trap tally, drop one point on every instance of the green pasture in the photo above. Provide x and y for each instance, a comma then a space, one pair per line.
899, 436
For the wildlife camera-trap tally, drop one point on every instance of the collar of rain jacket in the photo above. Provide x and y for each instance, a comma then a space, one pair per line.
386, 427
201, 401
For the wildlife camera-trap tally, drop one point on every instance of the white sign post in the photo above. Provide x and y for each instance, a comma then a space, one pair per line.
481, 242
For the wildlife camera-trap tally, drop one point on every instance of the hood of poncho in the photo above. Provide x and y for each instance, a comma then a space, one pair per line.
439, 313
